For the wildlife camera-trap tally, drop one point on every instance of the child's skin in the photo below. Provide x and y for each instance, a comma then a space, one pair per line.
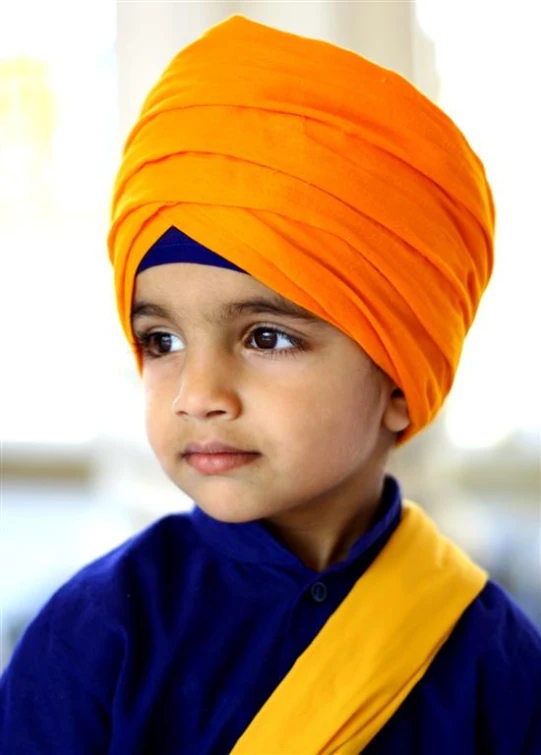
322, 420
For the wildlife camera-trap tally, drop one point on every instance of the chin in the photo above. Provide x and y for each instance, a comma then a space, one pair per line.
234, 513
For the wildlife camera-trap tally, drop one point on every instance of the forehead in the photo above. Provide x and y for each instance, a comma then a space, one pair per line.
185, 281
207, 292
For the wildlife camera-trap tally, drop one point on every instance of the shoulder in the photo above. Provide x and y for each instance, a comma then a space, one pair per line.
57, 691
104, 586
90, 616
508, 661
512, 645
507, 633
502, 641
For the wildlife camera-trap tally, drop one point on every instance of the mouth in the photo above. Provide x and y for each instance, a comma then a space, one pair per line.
216, 463
213, 447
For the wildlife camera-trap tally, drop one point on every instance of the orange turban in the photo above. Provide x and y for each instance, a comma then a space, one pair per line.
331, 180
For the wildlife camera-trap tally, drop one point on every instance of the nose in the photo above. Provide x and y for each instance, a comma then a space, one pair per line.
206, 388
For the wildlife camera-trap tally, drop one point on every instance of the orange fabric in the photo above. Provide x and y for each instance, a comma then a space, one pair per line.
328, 178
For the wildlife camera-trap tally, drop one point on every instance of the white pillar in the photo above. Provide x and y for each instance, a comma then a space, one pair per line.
149, 35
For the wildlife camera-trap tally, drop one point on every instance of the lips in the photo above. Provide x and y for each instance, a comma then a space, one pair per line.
213, 447
215, 457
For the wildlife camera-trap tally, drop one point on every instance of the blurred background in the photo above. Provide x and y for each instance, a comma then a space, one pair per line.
78, 476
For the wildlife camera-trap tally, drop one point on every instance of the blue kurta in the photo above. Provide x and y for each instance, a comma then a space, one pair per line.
172, 642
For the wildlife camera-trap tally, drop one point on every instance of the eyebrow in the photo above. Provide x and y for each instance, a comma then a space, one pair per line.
229, 311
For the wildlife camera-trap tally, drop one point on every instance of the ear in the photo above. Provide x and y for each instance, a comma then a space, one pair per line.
396, 416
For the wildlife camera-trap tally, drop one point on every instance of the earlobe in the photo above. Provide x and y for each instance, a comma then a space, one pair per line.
396, 415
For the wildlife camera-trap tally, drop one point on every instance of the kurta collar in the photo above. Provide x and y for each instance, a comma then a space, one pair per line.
252, 542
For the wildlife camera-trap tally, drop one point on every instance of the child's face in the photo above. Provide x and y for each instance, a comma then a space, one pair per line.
315, 416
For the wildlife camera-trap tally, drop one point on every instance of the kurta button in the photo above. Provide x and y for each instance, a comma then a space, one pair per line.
319, 592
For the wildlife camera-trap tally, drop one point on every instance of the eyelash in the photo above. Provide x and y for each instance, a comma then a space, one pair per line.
143, 340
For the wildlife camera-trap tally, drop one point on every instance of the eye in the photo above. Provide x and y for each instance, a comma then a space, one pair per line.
157, 344
273, 340
267, 340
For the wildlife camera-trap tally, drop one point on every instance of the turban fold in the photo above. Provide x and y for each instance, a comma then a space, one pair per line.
329, 179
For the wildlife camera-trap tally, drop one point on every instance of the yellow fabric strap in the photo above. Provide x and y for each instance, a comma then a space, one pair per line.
374, 648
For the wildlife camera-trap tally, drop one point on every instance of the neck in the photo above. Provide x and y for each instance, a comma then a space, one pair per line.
321, 534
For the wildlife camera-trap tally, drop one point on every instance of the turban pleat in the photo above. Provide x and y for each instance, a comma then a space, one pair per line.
328, 178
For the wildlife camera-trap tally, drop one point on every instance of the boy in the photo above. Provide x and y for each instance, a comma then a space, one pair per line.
300, 242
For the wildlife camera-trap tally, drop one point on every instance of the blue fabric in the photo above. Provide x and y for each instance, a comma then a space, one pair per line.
176, 246
171, 643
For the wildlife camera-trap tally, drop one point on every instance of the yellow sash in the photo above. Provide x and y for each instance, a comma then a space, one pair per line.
373, 649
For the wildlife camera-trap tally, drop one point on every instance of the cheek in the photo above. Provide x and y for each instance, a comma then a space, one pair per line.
158, 418
328, 419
